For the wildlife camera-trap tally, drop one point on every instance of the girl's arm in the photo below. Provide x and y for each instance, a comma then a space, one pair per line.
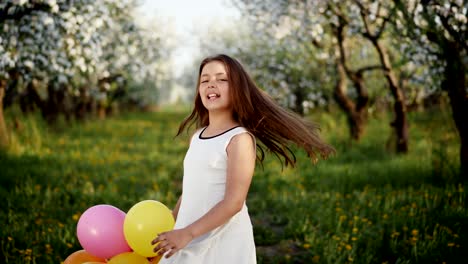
240, 169
175, 211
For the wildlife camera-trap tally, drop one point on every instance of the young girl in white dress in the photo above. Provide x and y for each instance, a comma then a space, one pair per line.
212, 221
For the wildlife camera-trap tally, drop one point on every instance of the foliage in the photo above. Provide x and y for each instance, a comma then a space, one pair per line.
364, 205
82, 48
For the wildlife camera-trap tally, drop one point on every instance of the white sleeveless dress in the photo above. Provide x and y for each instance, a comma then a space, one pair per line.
204, 182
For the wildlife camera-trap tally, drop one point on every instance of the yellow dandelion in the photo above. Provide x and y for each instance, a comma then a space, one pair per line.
356, 218
355, 230
155, 187
316, 259
385, 216
28, 251
348, 247
306, 245
414, 232
350, 259
61, 225
69, 245
338, 209
414, 205
451, 244
405, 228
10, 238
76, 217
353, 238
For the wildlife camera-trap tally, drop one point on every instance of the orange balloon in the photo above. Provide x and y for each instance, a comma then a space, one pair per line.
93, 262
156, 259
81, 256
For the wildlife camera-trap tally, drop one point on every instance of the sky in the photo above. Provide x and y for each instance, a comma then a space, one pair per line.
186, 17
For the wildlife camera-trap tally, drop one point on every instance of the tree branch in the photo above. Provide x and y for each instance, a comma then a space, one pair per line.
21, 11
456, 36
369, 68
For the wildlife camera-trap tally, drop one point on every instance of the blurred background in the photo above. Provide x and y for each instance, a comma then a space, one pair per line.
92, 92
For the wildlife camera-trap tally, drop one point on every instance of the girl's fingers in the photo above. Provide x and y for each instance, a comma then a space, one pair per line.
159, 238
172, 252
161, 245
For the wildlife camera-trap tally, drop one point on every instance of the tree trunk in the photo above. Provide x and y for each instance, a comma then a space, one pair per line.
299, 102
4, 141
455, 84
356, 118
400, 123
356, 113
101, 111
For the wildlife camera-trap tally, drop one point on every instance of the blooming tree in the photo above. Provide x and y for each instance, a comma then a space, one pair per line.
437, 34
67, 55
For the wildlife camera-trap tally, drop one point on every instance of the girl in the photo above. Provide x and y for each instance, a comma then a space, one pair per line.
212, 222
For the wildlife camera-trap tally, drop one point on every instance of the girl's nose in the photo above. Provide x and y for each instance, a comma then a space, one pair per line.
211, 83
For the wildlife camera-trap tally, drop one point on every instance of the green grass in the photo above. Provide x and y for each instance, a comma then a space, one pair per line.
364, 205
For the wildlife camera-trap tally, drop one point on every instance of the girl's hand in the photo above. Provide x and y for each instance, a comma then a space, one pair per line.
171, 241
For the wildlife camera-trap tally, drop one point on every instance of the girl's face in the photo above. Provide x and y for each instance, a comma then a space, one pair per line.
214, 87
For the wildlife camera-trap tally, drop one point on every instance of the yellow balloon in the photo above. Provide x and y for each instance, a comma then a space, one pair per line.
93, 262
128, 258
143, 222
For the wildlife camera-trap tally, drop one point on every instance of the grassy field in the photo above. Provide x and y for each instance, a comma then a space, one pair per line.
365, 205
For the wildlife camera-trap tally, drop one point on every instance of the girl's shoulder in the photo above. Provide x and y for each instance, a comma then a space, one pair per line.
242, 132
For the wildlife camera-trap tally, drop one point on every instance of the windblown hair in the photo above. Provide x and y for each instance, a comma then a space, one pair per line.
276, 127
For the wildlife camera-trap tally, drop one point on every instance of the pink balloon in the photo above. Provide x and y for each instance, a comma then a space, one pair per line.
100, 231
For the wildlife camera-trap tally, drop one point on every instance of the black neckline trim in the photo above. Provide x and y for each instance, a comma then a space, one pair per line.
222, 133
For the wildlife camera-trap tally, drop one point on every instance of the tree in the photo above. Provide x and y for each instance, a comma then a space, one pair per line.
357, 18
374, 17
68, 56
439, 28
356, 111
295, 73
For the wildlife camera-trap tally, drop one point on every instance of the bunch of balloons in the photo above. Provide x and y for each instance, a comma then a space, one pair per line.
108, 235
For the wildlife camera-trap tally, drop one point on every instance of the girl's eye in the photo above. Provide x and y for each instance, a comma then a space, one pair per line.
223, 80
204, 81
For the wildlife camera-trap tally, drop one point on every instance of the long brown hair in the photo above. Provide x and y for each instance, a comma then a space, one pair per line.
253, 109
